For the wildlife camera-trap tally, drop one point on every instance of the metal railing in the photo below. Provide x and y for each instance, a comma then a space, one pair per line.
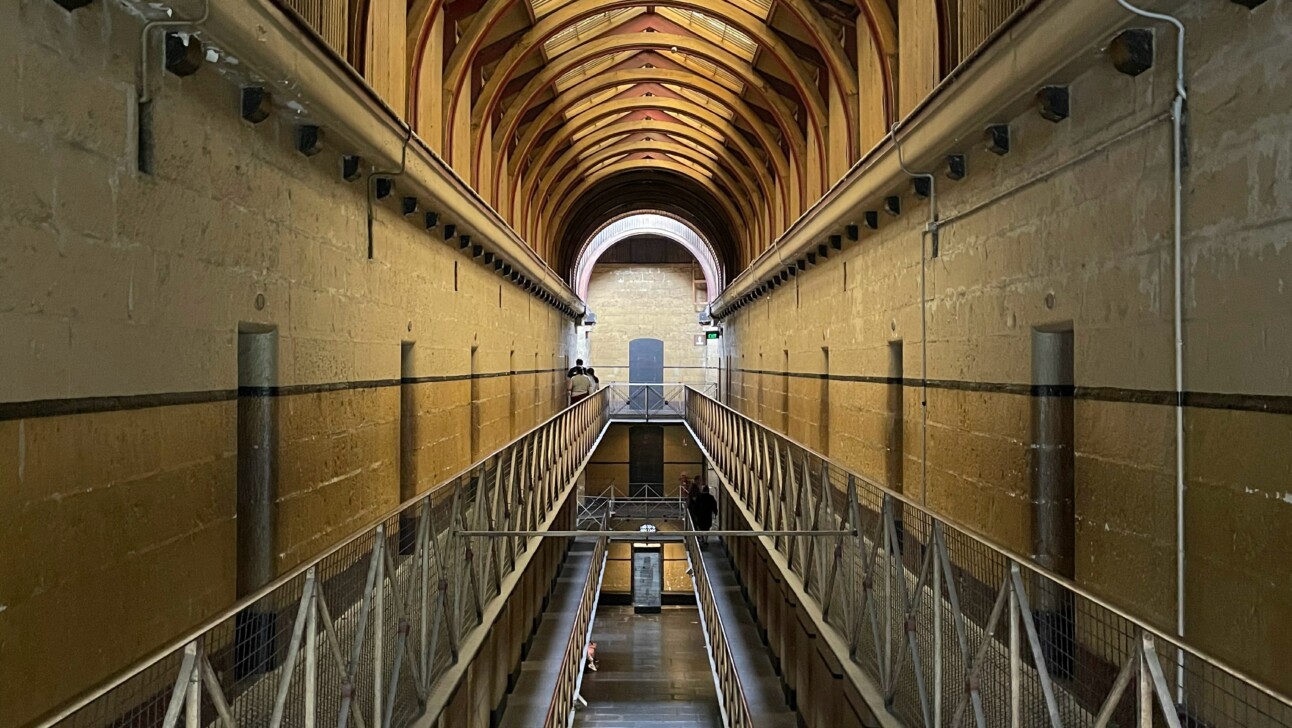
649, 401
595, 511
560, 714
952, 628
365, 633
731, 693
694, 376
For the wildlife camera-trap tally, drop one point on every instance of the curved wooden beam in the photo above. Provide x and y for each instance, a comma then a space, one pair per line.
736, 14
605, 45
623, 194
741, 185
591, 181
600, 82
740, 191
883, 31
558, 173
532, 41
597, 113
543, 170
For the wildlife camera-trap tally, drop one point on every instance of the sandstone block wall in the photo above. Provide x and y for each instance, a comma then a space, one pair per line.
1073, 228
121, 298
609, 467
639, 300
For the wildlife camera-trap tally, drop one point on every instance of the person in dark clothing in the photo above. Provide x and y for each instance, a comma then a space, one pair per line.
703, 508
576, 369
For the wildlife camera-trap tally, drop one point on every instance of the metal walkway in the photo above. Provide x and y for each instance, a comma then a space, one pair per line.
530, 703
701, 666
653, 670
762, 686
930, 623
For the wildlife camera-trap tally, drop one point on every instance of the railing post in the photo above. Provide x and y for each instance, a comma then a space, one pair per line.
937, 637
193, 695
311, 659
1015, 663
1145, 687
378, 632
423, 546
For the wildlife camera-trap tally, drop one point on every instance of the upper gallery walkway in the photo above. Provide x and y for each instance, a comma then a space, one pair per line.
876, 610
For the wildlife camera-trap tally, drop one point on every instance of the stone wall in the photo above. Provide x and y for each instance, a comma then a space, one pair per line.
1073, 228
121, 298
609, 466
636, 300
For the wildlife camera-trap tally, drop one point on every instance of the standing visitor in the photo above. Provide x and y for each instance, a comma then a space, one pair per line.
703, 508
579, 386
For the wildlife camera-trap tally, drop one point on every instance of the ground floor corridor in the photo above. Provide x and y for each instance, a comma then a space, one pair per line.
653, 670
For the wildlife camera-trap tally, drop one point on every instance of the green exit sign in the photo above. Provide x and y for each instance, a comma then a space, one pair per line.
713, 334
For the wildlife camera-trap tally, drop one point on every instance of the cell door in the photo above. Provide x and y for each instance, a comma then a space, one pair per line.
645, 366
645, 460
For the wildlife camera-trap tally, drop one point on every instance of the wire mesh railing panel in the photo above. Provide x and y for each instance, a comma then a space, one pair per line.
951, 628
734, 702
575, 656
360, 635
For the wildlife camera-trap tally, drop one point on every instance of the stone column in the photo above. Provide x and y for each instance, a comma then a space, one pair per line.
257, 494
1053, 483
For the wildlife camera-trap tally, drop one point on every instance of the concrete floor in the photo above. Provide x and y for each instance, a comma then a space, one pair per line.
654, 671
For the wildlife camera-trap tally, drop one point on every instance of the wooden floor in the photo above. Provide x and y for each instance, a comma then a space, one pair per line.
654, 671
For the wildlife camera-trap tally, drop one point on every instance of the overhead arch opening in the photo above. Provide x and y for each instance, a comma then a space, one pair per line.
653, 224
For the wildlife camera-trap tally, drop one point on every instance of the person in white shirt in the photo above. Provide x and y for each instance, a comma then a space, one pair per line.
580, 386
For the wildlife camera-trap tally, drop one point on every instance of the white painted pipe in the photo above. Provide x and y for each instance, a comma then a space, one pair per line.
1024, 57
145, 93
1177, 141
931, 229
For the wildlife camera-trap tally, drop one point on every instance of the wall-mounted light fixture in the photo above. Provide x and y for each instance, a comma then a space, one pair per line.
956, 167
996, 139
256, 104
1132, 51
1052, 103
350, 167
309, 139
184, 54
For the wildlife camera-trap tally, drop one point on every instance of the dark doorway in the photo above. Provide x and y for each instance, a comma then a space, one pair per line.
645, 366
645, 460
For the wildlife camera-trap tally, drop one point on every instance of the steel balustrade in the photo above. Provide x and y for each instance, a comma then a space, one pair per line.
951, 628
560, 713
731, 692
364, 634
649, 402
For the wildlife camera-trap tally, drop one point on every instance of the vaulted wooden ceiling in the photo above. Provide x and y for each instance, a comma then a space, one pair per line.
733, 114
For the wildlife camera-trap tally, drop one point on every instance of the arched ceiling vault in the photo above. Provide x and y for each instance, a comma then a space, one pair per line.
641, 189
649, 79
734, 115
741, 188
742, 156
